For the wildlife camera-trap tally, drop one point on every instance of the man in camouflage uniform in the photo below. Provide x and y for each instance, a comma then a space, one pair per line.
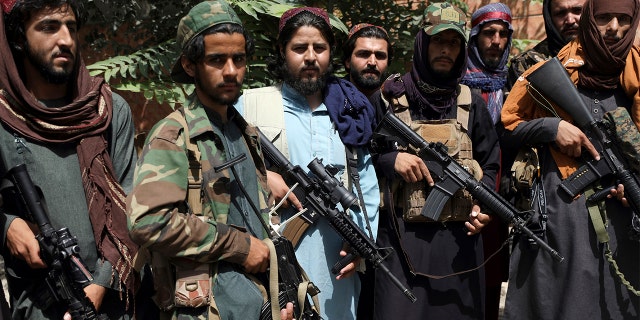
561, 19
217, 228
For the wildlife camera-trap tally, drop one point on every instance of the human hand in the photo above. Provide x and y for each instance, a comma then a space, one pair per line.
22, 243
477, 220
95, 293
570, 140
279, 189
350, 268
287, 313
258, 257
411, 168
618, 193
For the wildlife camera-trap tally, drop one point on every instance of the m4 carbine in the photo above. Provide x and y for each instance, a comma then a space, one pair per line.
67, 274
322, 193
450, 176
552, 81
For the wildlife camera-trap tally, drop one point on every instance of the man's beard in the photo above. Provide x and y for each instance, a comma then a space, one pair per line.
306, 86
492, 63
46, 68
365, 82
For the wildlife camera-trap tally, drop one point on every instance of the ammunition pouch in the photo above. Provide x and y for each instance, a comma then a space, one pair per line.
414, 195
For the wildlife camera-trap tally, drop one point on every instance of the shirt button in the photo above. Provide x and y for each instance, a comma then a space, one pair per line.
596, 101
595, 110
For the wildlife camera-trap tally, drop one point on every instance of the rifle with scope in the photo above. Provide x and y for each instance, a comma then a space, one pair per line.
322, 193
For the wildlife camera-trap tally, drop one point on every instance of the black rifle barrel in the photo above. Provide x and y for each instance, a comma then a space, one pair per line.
457, 174
320, 201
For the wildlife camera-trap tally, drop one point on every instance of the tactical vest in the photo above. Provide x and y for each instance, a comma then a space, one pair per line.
453, 134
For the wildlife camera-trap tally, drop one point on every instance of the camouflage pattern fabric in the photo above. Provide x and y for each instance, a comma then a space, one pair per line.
443, 16
625, 134
525, 60
159, 219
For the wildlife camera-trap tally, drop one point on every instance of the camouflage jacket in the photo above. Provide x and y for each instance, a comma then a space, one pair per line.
159, 218
525, 60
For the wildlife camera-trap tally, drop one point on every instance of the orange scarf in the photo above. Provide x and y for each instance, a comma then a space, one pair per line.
520, 105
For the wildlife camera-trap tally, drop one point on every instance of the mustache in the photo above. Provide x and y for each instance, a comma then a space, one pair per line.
226, 83
444, 58
371, 69
63, 51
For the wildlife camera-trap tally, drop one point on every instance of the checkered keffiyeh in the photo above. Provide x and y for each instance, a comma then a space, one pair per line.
490, 81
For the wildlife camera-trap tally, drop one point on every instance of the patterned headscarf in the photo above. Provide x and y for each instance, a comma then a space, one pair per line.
478, 75
84, 122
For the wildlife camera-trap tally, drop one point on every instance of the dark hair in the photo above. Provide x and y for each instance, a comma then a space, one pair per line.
194, 50
22, 11
277, 65
367, 32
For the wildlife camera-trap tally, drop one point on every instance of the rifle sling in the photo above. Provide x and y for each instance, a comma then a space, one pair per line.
598, 215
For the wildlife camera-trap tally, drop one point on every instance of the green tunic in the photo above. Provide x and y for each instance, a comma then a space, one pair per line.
55, 169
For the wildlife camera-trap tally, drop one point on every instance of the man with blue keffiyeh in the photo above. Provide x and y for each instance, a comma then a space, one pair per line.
489, 46
311, 114
488, 54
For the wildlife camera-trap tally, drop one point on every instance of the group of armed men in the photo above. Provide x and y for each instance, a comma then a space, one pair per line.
205, 222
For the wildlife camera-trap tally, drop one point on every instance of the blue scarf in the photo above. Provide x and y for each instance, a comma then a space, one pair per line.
350, 111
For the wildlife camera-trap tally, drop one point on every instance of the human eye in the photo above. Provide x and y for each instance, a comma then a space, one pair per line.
624, 20
487, 33
381, 55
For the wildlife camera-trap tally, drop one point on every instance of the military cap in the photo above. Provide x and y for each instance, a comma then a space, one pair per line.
443, 16
200, 18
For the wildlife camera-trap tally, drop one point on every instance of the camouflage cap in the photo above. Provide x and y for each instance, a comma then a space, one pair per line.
443, 16
200, 18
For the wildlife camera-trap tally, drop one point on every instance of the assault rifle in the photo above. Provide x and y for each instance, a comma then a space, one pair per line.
289, 275
450, 176
322, 193
552, 81
67, 274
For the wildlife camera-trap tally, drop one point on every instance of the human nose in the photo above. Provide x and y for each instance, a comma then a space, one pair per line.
310, 55
229, 68
613, 25
495, 39
372, 61
572, 19
65, 37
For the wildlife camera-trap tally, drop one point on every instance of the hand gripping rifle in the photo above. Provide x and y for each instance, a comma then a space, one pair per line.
552, 81
450, 176
67, 274
289, 274
322, 193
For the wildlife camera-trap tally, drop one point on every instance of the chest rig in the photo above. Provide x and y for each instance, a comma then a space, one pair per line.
453, 133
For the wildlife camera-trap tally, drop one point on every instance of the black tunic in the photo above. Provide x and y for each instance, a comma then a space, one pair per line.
435, 248
583, 286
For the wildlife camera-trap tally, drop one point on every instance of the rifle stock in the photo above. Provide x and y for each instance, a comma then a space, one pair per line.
450, 176
67, 274
320, 197
552, 81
